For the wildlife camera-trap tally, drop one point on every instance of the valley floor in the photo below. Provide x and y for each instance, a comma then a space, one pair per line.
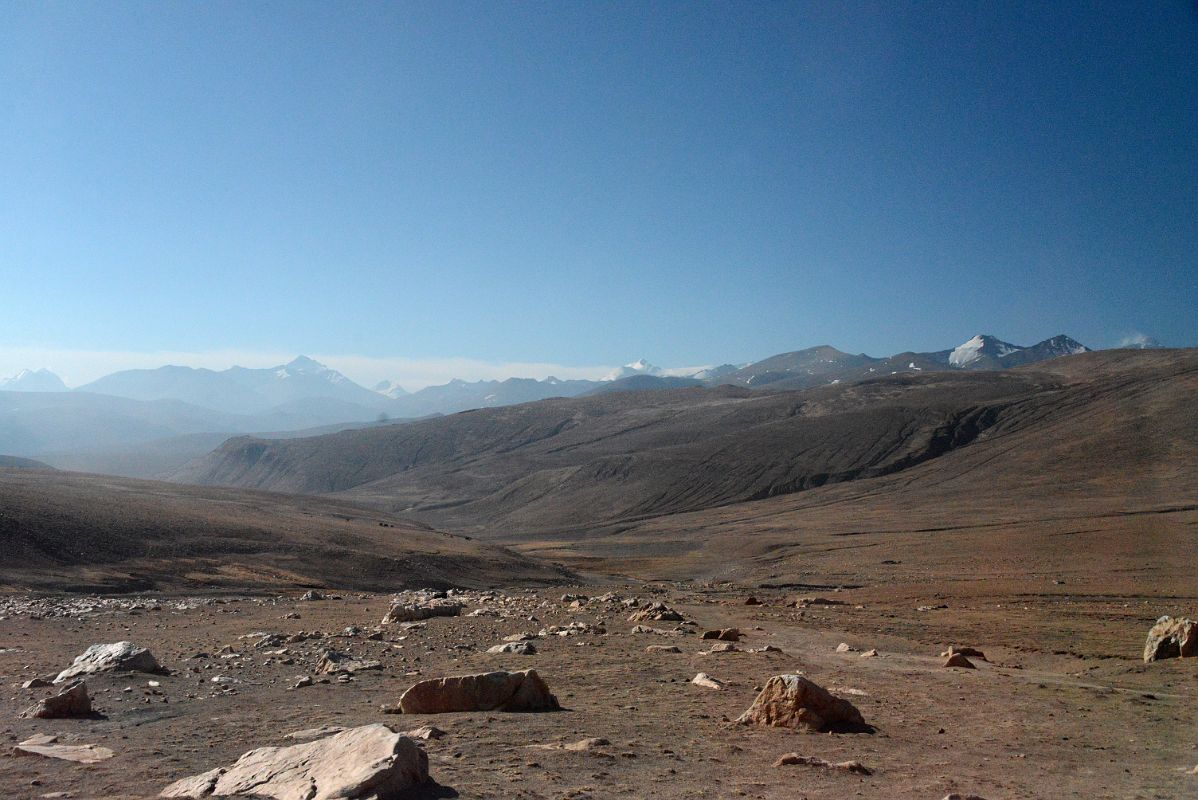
1063, 708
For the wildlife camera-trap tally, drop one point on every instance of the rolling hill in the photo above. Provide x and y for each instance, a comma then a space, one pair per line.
71, 532
578, 464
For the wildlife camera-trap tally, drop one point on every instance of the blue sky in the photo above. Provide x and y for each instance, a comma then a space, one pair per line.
563, 186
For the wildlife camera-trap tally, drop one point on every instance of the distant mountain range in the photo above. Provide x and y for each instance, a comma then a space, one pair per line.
33, 380
144, 422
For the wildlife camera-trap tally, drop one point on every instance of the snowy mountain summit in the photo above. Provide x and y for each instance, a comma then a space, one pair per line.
978, 347
390, 389
988, 352
638, 367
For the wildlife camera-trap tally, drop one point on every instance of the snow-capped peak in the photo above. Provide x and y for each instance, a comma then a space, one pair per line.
977, 347
638, 367
390, 389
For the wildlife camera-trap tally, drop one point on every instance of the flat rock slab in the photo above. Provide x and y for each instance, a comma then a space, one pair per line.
367, 762
108, 657
490, 691
793, 701
79, 753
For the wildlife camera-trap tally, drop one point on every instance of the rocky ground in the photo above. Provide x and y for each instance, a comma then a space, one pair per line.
1062, 707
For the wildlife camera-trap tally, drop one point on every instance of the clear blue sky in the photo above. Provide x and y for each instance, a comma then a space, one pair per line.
586, 183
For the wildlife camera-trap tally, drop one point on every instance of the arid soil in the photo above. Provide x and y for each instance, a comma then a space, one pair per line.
1064, 707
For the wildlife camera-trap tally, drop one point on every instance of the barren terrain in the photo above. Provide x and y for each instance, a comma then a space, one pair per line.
1051, 540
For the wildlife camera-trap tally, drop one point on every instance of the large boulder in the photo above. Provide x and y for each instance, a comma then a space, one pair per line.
424, 609
1172, 637
792, 701
490, 691
72, 701
108, 657
367, 762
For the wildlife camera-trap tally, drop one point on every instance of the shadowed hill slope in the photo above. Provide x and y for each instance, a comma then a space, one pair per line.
66, 531
578, 463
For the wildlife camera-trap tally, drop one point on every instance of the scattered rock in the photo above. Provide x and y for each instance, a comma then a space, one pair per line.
367, 762
36, 683
520, 648
845, 647
425, 732
803, 602
769, 648
959, 660
871, 653
311, 595
106, 657
752, 601
656, 631
968, 652
316, 733
662, 648
793, 701
1171, 637
490, 691
811, 761
72, 701
703, 679
723, 647
656, 611
427, 609
306, 680
581, 746
332, 661
586, 744
956, 796
723, 635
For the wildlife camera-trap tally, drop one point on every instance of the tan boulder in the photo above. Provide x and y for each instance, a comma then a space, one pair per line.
426, 609
968, 652
723, 635
958, 660
706, 681
1172, 637
793, 701
490, 691
72, 701
367, 762
656, 611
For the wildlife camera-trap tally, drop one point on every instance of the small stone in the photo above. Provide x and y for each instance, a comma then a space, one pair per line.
705, 680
